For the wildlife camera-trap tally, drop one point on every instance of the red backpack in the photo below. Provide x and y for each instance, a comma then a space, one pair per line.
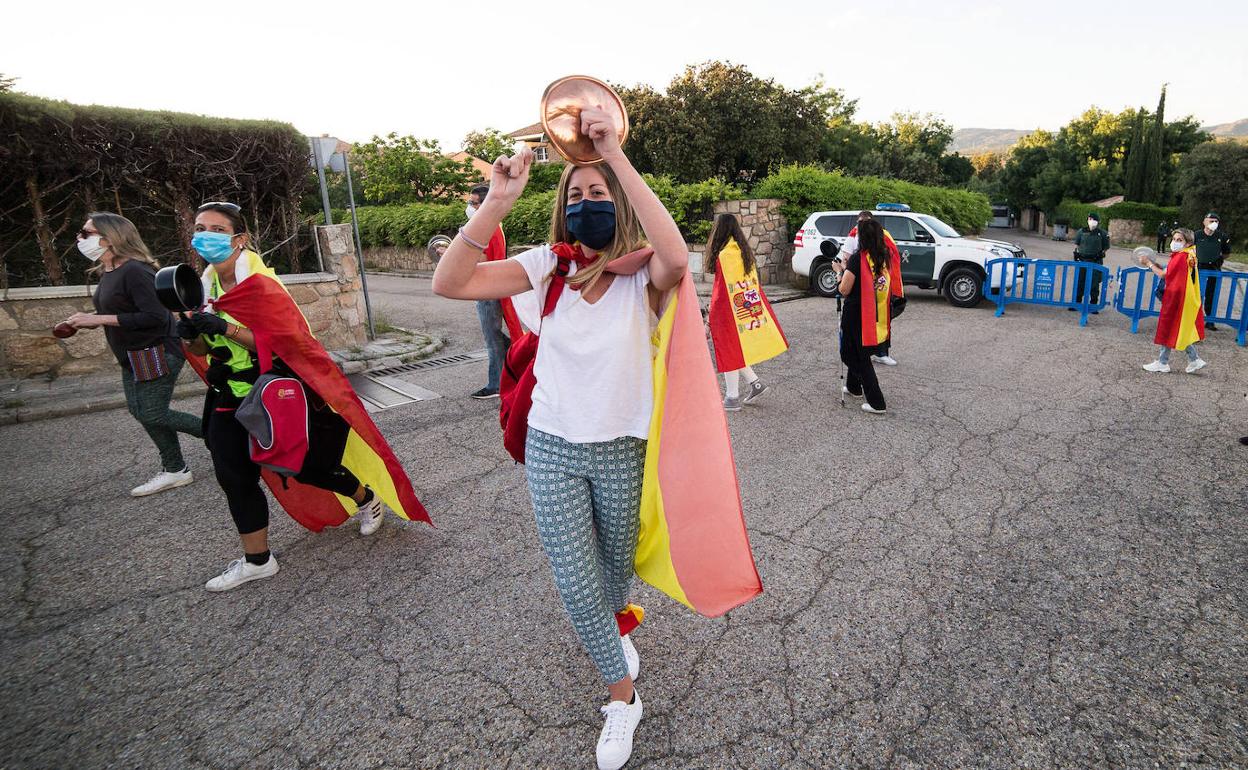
515, 386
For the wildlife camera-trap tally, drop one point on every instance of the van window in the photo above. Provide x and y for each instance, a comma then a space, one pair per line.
837, 225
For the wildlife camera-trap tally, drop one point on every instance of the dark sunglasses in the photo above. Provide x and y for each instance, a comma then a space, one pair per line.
220, 204
84, 233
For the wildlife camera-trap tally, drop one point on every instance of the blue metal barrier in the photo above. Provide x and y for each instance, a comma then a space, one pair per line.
1050, 282
1136, 298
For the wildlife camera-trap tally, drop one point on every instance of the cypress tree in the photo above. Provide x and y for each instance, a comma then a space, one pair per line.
1151, 192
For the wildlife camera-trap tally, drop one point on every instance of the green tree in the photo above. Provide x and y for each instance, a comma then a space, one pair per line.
404, 169
956, 170
1211, 177
719, 120
487, 144
6, 83
1151, 190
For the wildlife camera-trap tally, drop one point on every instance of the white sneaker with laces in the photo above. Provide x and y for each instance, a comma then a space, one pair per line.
631, 657
846, 391
162, 481
868, 408
615, 743
1196, 366
886, 360
1157, 366
370, 515
242, 571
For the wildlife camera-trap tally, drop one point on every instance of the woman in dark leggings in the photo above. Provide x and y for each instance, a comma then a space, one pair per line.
221, 238
864, 283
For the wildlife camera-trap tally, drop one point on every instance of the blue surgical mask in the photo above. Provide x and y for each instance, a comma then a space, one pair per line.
215, 248
592, 223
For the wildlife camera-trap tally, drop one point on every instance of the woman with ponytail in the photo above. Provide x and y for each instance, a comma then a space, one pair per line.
865, 284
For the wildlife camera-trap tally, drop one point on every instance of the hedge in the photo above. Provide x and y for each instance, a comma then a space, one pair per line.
807, 189
59, 161
529, 221
1075, 214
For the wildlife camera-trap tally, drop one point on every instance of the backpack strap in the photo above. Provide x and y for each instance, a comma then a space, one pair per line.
557, 281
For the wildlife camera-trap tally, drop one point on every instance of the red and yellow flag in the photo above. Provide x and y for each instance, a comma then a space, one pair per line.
874, 293
1182, 320
260, 302
693, 545
743, 326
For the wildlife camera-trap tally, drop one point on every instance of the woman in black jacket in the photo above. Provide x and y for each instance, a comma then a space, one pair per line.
140, 333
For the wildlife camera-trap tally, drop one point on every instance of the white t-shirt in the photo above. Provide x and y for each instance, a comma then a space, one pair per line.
594, 378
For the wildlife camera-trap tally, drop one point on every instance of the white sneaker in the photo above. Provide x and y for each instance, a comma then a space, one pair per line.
162, 481
242, 571
631, 657
1157, 366
370, 515
868, 408
1196, 366
886, 360
615, 743
757, 388
845, 390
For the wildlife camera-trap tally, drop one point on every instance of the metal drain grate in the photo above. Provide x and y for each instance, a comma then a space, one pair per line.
431, 363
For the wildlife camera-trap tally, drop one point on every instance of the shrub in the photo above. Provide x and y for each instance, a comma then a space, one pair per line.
1075, 214
806, 189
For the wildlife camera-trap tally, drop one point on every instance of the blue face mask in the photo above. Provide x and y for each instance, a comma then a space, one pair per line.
215, 248
592, 222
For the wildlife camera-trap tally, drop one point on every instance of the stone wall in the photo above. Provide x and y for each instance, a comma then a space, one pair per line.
768, 235
1122, 231
332, 301
399, 259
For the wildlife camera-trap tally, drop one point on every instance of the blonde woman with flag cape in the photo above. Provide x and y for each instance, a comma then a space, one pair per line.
1182, 321
744, 330
252, 326
616, 434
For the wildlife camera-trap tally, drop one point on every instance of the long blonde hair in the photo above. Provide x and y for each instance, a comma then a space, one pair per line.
123, 239
628, 234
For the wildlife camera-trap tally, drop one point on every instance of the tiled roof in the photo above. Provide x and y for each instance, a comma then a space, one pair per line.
536, 128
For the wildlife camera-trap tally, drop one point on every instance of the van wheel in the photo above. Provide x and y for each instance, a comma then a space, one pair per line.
964, 287
824, 280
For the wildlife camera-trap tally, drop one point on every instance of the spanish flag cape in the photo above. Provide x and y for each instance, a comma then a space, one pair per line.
894, 263
260, 302
874, 295
692, 544
743, 326
1182, 320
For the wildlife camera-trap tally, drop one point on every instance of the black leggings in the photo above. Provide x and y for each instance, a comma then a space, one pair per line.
239, 477
860, 377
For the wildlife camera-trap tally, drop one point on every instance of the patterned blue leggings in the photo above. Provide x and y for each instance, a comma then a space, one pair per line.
586, 499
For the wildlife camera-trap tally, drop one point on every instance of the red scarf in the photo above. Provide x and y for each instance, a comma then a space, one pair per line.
626, 265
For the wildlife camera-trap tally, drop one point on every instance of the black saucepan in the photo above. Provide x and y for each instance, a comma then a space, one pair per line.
178, 288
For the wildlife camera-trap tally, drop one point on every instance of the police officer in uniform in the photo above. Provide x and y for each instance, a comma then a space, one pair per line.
1212, 248
1091, 243
1163, 232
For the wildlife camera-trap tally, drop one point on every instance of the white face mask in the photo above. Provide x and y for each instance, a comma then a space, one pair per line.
1213, 226
470, 210
1092, 223
1177, 245
91, 248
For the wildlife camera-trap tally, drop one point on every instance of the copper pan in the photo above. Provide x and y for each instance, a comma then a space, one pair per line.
561, 116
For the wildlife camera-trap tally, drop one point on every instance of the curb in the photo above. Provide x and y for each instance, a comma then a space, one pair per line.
117, 400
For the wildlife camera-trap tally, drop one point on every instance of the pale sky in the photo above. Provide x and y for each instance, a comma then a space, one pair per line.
363, 67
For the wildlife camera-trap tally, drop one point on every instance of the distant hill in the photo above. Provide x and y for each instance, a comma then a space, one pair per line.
972, 141
1238, 128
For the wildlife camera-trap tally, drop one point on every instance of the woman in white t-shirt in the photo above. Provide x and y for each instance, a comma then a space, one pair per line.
585, 449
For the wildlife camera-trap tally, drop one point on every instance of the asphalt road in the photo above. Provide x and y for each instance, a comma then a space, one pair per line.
1037, 558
